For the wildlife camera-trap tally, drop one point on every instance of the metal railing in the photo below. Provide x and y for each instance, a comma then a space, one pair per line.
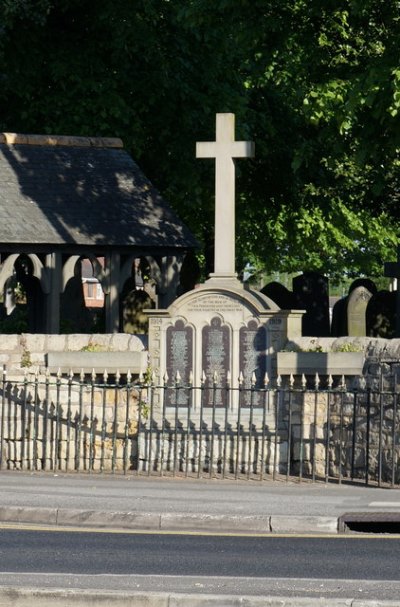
284, 430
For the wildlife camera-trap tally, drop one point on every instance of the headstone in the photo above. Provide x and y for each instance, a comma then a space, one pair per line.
190, 273
392, 270
312, 294
381, 315
339, 318
280, 295
339, 325
356, 312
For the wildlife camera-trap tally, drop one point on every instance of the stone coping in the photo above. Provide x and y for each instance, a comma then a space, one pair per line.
73, 342
323, 363
60, 140
99, 362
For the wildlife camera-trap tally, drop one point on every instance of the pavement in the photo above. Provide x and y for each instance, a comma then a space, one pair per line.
178, 504
189, 505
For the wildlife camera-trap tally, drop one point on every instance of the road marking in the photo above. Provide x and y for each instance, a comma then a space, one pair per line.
59, 529
384, 505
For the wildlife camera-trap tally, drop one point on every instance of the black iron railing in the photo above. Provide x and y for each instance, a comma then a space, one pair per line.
305, 430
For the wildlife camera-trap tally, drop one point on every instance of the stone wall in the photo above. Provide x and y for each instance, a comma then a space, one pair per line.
350, 429
343, 430
49, 423
26, 352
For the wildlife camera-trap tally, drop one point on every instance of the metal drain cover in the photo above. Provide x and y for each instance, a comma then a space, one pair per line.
369, 522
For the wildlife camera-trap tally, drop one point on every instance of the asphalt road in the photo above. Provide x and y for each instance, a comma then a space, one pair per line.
93, 553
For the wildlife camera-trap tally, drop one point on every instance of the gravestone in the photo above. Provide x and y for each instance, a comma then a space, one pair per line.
339, 318
392, 270
356, 312
221, 329
339, 325
381, 315
312, 294
190, 273
284, 299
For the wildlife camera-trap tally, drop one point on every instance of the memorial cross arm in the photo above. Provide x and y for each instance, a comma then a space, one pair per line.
214, 149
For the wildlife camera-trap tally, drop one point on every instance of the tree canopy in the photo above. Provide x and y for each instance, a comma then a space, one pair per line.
315, 84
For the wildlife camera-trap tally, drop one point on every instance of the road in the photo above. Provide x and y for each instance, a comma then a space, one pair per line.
307, 566
201, 555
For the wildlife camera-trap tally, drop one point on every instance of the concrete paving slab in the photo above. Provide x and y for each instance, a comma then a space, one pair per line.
304, 524
34, 597
133, 501
110, 520
45, 516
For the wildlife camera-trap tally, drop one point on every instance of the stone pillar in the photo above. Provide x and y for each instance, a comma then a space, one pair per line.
54, 270
112, 271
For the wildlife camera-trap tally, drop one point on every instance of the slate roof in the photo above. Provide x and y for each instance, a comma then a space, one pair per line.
83, 191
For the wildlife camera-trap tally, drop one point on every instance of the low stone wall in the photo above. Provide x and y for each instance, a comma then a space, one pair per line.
63, 424
373, 347
27, 351
348, 429
340, 430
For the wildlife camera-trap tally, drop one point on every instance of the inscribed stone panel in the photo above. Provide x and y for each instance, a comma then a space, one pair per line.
253, 343
215, 358
179, 358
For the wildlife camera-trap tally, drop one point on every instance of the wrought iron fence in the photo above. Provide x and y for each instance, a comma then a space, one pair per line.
284, 430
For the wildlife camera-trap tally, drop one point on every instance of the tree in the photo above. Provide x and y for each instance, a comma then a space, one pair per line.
333, 85
316, 85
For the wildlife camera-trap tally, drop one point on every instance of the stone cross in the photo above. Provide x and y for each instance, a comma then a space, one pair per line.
224, 149
392, 270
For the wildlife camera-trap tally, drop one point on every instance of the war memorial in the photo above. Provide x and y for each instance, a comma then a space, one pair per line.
229, 381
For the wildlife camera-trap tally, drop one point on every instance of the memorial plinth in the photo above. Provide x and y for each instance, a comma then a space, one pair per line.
219, 330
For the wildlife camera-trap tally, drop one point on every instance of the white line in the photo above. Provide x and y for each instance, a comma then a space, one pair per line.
384, 505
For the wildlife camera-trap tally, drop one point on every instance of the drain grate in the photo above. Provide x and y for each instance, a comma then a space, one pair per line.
369, 522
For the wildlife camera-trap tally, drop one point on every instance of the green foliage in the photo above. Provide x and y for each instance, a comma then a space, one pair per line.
148, 376
26, 358
315, 84
315, 347
94, 347
348, 347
